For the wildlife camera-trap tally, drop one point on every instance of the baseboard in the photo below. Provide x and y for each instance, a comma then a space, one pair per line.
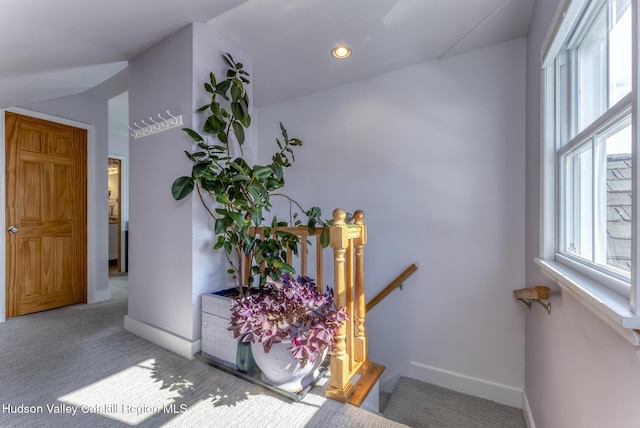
499, 393
526, 410
179, 345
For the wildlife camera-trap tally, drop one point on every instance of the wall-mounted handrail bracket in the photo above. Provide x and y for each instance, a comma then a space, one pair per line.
539, 294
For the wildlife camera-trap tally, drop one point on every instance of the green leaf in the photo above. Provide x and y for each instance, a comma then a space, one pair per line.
236, 110
244, 105
314, 212
212, 79
324, 238
223, 87
223, 138
182, 187
240, 177
236, 92
254, 191
199, 169
239, 131
215, 110
193, 134
237, 165
213, 125
284, 132
261, 172
256, 215
208, 87
203, 108
220, 242
245, 120
277, 170
229, 59
237, 217
219, 226
283, 267
223, 199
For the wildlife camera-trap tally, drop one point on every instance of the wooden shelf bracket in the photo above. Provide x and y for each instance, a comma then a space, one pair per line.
534, 294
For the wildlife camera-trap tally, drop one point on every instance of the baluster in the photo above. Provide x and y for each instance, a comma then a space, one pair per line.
289, 256
303, 254
360, 344
319, 264
349, 298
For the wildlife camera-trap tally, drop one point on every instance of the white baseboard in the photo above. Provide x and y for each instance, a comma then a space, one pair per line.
526, 410
503, 394
179, 345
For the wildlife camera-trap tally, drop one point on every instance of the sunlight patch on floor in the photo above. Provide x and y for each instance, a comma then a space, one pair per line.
264, 409
129, 396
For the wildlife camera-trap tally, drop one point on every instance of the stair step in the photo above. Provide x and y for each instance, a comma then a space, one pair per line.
384, 400
420, 404
369, 374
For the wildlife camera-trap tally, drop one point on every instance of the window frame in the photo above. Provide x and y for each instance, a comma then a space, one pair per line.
612, 298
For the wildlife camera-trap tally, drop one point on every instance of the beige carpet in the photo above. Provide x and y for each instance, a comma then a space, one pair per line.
420, 404
79, 359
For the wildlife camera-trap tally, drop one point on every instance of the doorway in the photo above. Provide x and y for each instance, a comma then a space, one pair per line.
116, 263
46, 210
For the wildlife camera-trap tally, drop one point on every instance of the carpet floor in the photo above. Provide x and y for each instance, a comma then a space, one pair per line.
420, 404
77, 367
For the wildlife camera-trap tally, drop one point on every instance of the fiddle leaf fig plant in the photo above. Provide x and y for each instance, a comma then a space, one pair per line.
242, 192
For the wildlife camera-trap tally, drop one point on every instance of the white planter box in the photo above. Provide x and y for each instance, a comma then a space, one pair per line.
217, 341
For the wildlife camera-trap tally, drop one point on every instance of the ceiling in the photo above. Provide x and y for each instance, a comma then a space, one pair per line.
55, 48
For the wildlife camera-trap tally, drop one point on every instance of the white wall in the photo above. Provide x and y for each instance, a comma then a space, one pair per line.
434, 155
579, 372
119, 149
159, 228
172, 261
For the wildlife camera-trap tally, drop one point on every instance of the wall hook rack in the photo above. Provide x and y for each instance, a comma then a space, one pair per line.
139, 131
534, 294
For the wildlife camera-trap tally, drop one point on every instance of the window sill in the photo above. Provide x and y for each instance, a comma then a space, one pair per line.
607, 305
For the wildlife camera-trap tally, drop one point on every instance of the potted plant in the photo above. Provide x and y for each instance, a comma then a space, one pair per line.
237, 195
293, 320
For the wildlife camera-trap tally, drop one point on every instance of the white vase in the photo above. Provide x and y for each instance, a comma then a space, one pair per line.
281, 370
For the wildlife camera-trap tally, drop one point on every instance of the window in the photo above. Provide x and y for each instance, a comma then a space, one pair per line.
592, 105
589, 147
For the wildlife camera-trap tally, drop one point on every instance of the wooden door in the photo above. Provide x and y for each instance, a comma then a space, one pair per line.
46, 214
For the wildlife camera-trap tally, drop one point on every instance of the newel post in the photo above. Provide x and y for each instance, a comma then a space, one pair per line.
360, 345
339, 384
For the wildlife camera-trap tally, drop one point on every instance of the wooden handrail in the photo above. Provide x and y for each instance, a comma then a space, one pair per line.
534, 294
392, 286
537, 292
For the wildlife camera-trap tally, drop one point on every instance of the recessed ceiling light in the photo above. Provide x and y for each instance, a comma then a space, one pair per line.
341, 52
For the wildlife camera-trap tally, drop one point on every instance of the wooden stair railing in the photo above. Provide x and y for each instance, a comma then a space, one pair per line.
352, 375
350, 358
392, 286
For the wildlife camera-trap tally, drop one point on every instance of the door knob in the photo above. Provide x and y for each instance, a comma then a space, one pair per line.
13, 229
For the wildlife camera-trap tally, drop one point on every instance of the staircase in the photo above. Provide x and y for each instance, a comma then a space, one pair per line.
419, 404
